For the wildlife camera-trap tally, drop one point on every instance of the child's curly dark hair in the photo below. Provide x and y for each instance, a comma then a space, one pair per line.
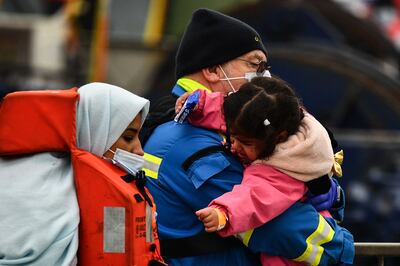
264, 98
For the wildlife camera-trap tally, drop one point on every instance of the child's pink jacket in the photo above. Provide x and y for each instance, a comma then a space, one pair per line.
263, 194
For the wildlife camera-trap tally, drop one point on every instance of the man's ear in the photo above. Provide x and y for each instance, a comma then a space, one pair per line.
211, 74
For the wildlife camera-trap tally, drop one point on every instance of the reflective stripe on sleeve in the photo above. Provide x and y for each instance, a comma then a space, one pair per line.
151, 165
313, 253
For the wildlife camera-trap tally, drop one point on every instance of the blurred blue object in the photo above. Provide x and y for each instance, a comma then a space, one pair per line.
189, 105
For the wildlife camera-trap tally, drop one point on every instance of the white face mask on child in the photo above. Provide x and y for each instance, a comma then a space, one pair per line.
247, 76
130, 162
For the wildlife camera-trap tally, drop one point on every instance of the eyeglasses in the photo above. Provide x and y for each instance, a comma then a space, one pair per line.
261, 65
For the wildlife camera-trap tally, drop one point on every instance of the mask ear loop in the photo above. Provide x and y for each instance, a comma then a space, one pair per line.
112, 159
226, 78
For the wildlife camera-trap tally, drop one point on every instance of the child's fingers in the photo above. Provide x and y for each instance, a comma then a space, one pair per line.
201, 214
210, 223
183, 97
209, 219
178, 106
204, 214
181, 100
211, 226
211, 229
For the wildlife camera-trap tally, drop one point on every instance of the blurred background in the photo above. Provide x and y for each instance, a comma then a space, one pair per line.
342, 56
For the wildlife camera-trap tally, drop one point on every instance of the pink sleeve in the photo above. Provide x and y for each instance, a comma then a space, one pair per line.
263, 194
267, 260
209, 111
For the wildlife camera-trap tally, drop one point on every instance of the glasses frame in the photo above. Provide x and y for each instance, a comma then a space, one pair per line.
261, 65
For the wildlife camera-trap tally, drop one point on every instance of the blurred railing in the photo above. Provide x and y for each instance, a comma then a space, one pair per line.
378, 250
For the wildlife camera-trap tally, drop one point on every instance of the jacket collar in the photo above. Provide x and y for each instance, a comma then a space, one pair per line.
187, 85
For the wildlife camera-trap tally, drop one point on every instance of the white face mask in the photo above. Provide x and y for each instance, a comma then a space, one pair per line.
250, 75
247, 76
127, 161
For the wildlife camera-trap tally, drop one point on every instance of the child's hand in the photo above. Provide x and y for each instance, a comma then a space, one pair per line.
213, 219
181, 100
209, 217
186, 104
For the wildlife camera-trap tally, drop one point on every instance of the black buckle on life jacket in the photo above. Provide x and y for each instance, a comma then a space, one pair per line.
140, 181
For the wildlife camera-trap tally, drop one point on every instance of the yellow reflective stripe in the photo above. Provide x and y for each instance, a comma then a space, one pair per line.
190, 85
151, 165
150, 173
313, 253
151, 158
223, 137
245, 237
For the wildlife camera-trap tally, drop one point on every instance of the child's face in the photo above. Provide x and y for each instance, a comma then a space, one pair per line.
247, 149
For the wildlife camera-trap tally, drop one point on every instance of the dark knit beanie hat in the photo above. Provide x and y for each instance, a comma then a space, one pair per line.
212, 38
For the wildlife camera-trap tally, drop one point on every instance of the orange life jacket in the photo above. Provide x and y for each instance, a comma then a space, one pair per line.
117, 225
